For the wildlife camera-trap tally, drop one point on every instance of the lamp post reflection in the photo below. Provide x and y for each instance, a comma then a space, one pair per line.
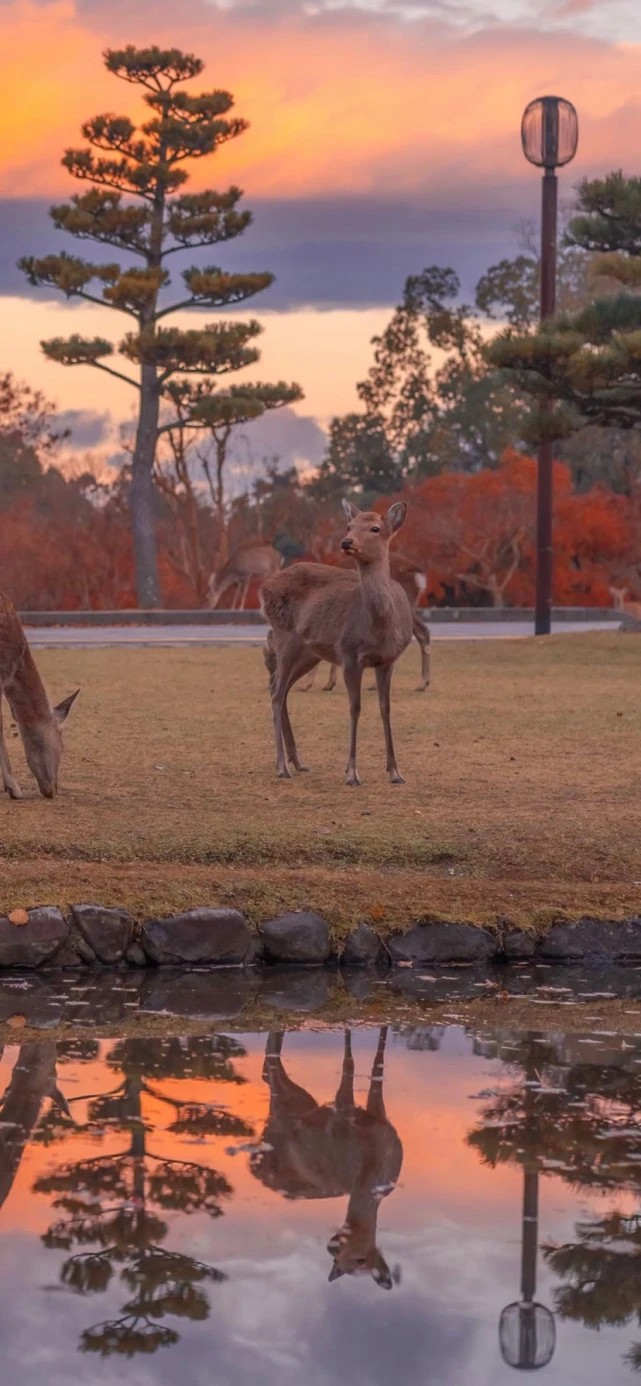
527, 1331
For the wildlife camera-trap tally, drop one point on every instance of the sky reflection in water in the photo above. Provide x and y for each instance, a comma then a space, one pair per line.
320, 1206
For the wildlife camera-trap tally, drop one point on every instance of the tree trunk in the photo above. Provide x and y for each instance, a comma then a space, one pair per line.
142, 501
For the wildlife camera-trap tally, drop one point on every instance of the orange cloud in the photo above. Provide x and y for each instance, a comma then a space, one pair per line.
349, 103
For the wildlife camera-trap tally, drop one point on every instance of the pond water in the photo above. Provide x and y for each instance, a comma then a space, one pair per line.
378, 1206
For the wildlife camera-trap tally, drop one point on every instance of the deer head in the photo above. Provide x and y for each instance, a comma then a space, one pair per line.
368, 534
355, 1253
43, 747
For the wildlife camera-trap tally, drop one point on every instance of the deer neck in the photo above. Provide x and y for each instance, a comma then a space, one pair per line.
26, 693
376, 590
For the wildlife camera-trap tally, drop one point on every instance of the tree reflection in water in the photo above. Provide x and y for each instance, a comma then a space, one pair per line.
113, 1204
579, 1120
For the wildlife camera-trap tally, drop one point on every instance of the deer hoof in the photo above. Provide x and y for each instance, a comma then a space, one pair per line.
14, 791
396, 777
353, 779
284, 773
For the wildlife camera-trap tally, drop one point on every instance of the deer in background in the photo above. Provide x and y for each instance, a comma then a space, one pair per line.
413, 581
250, 563
632, 609
314, 1151
38, 723
359, 619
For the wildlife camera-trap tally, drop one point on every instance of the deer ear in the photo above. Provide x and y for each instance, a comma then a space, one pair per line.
350, 510
61, 712
395, 516
335, 1273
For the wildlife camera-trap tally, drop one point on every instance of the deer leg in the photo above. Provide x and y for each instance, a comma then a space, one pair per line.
288, 734
384, 680
423, 635
331, 681
353, 675
294, 660
245, 590
307, 684
375, 1103
345, 1094
10, 783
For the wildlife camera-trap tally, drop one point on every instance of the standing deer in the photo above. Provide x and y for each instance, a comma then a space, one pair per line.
314, 1151
250, 562
413, 581
360, 620
38, 723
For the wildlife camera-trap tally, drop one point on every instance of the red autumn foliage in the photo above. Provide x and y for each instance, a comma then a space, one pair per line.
472, 533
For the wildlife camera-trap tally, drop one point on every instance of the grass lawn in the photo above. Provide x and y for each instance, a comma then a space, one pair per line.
523, 794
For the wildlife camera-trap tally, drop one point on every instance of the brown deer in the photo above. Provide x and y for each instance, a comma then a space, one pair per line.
249, 563
632, 609
413, 581
314, 1151
38, 723
360, 620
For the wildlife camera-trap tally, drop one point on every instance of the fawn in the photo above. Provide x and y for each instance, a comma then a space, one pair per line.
38, 723
314, 1151
359, 619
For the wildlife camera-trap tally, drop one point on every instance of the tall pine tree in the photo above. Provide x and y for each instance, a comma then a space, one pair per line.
133, 204
588, 363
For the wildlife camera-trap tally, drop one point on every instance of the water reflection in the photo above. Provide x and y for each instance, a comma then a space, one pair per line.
191, 1186
326, 1151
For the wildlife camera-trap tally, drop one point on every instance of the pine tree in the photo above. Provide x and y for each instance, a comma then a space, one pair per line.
133, 204
588, 363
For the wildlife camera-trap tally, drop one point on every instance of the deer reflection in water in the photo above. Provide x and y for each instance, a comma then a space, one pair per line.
331, 1149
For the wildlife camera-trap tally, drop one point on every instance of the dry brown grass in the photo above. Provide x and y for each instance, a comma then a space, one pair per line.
523, 768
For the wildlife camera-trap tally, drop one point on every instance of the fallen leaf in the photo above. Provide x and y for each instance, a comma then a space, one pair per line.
19, 917
16, 1022
377, 912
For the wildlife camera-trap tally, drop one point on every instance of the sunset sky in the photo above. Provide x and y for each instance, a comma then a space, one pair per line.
384, 137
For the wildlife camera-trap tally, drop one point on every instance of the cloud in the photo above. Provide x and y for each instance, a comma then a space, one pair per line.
325, 253
342, 102
87, 428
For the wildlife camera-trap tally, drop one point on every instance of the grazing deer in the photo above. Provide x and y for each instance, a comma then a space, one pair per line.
632, 609
360, 620
413, 581
314, 1151
249, 563
38, 723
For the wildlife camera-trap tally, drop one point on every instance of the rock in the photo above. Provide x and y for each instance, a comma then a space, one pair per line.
598, 940
108, 932
214, 995
34, 943
296, 938
364, 948
135, 956
436, 944
68, 956
518, 944
306, 989
197, 936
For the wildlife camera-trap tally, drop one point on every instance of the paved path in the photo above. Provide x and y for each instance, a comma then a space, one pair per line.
94, 637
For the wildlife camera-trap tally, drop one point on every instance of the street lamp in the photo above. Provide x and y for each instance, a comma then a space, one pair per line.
549, 135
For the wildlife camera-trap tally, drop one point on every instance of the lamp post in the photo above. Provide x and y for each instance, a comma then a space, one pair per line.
549, 136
